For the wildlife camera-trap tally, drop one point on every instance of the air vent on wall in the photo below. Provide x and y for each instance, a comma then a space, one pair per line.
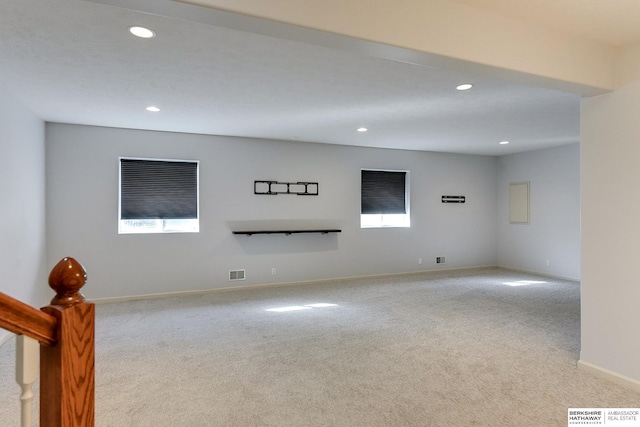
236, 275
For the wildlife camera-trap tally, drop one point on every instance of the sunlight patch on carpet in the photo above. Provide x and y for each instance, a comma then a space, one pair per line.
524, 283
301, 307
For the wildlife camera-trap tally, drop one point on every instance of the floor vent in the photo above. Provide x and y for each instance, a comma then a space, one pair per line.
439, 260
236, 275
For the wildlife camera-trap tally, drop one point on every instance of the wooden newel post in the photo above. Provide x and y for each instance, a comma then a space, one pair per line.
67, 368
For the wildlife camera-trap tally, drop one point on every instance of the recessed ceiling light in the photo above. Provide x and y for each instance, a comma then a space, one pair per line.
465, 86
362, 129
142, 32
503, 142
153, 109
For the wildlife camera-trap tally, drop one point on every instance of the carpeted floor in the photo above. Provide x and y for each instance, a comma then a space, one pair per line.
475, 348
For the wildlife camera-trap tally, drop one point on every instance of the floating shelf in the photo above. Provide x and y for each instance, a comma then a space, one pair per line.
288, 232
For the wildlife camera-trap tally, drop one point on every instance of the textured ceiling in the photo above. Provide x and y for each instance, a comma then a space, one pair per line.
73, 61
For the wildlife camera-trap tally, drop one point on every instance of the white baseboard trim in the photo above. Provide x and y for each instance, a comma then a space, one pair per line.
608, 375
540, 273
107, 300
435, 271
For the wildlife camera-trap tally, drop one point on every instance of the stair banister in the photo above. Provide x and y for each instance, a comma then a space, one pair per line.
27, 370
65, 330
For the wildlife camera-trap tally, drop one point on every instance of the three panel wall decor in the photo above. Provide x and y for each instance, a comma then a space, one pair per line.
275, 187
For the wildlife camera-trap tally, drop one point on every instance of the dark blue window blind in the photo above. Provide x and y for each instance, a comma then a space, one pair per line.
158, 189
383, 192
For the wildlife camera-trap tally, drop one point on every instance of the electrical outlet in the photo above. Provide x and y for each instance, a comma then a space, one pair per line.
273, 271
419, 261
439, 260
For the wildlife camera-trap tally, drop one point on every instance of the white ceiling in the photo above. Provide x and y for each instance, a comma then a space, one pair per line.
612, 22
73, 61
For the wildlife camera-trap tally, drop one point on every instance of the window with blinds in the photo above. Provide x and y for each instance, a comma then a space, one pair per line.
384, 199
158, 196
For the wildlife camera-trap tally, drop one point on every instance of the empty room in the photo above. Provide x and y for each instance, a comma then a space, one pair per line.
400, 214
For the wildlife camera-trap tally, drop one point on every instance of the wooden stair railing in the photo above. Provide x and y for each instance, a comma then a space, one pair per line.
65, 330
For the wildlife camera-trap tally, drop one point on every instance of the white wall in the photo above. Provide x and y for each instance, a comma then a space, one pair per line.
22, 217
82, 200
553, 233
611, 231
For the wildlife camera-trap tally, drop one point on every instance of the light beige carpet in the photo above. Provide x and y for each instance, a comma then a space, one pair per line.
480, 348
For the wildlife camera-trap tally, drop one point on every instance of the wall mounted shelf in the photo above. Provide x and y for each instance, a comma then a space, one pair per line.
288, 232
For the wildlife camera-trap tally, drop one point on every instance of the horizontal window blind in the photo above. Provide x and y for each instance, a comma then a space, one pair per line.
158, 189
383, 192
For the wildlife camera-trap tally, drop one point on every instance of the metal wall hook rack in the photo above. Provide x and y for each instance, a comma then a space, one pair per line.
453, 199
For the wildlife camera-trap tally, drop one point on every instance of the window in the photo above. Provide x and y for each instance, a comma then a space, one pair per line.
384, 199
158, 196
